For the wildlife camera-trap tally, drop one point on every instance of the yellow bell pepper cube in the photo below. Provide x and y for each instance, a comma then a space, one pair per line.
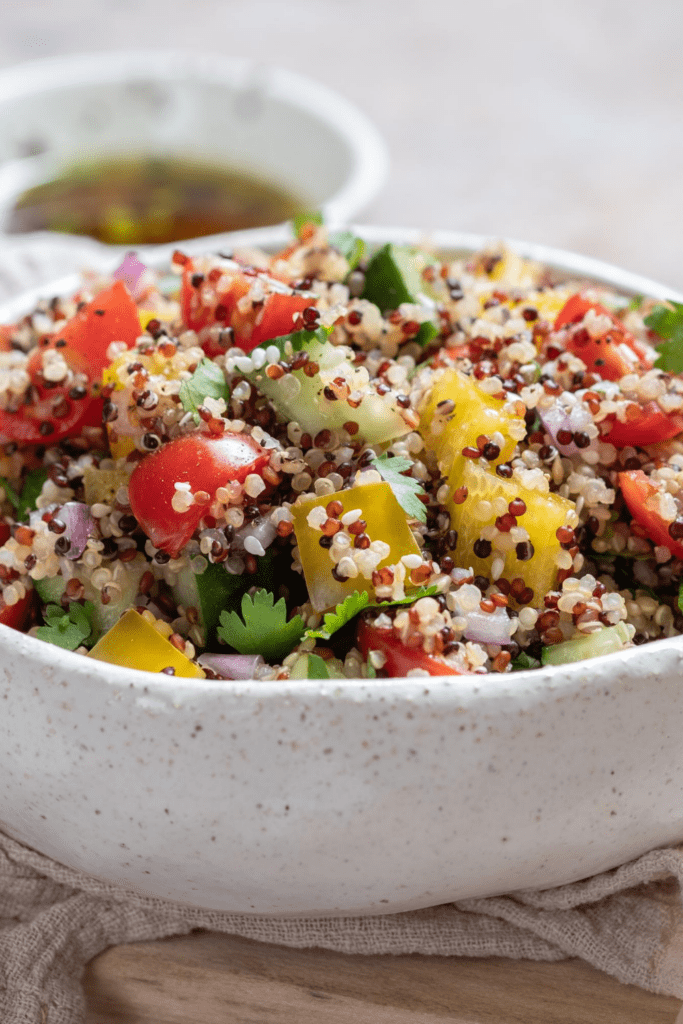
545, 513
135, 643
386, 521
469, 414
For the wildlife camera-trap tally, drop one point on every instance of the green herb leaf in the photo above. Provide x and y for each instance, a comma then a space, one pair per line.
68, 628
30, 492
372, 671
207, 381
523, 662
668, 324
427, 332
680, 595
307, 217
405, 488
316, 667
355, 603
10, 493
265, 629
349, 245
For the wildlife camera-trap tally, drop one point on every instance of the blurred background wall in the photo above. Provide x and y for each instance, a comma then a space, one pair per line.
554, 122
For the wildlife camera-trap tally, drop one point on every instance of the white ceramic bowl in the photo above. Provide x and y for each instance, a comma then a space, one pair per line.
362, 796
273, 123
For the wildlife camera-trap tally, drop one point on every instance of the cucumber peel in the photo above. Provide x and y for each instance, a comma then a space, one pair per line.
604, 641
395, 275
302, 399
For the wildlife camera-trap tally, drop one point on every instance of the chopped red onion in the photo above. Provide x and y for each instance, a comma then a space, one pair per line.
557, 418
489, 627
130, 272
79, 526
232, 666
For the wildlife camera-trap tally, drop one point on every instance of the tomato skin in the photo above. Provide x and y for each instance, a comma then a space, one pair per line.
611, 356
652, 426
111, 316
16, 615
206, 463
400, 658
636, 489
271, 320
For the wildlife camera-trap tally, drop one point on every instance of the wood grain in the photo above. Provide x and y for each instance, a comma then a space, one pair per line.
206, 978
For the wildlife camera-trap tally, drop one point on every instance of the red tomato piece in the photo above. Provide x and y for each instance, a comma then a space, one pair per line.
16, 615
400, 658
274, 318
650, 427
637, 489
206, 463
612, 355
59, 411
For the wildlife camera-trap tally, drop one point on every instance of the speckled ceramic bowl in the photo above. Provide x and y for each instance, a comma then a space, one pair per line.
354, 797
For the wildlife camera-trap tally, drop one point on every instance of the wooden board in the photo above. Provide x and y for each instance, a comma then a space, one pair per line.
206, 978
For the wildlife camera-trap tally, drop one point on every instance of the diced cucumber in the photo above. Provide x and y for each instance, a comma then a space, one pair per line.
302, 399
395, 275
208, 592
603, 641
50, 591
306, 667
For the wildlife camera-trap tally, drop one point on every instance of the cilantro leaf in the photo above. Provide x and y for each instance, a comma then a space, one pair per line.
307, 217
668, 324
680, 595
207, 381
405, 488
427, 332
30, 492
68, 628
265, 629
524, 661
355, 603
10, 493
343, 613
349, 245
316, 667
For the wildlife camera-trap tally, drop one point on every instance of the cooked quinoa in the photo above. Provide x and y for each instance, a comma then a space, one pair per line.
334, 462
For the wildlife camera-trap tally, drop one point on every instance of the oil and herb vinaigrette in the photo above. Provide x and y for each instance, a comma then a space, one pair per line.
329, 462
144, 200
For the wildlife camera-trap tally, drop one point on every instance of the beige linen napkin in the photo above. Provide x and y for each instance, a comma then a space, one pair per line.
627, 922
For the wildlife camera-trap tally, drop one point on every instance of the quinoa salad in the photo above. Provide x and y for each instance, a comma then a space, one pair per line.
339, 462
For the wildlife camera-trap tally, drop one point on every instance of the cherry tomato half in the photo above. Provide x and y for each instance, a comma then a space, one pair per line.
650, 426
637, 491
611, 356
204, 462
272, 319
400, 658
16, 615
60, 411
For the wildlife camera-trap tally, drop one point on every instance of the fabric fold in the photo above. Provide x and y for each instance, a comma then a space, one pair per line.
53, 920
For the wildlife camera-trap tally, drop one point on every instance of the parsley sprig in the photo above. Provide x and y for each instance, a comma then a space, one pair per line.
667, 323
207, 381
405, 488
68, 628
263, 628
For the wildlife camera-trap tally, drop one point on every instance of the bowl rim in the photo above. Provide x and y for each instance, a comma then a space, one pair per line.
20, 645
368, 150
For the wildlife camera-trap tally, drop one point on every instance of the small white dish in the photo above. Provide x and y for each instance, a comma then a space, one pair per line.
270, 122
